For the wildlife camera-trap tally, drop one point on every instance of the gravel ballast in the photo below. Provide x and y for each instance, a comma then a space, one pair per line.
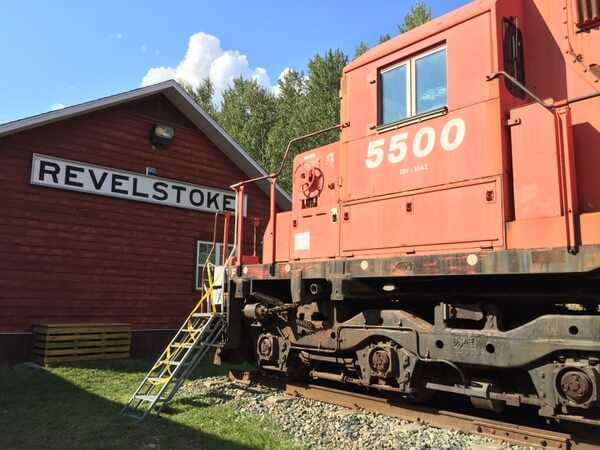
318, 425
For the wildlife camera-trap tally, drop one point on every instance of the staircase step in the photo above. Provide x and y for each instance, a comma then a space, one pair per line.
158, 379
205, 315
180, 345
178, 363
134, 416
148, 398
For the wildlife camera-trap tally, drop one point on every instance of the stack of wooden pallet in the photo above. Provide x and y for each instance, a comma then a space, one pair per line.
80, 342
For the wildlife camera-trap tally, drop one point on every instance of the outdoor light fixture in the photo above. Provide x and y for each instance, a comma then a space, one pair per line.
161, 134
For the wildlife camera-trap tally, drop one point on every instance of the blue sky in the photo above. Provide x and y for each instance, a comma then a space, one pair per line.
61, 52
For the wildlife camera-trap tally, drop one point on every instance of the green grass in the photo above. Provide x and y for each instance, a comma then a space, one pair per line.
77, 406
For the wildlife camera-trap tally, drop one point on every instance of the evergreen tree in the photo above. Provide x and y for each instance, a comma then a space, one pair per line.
360, 49
307, 104
263, 124
322, 107
202, 94
384, 37
247, 113
292, 94
419, 14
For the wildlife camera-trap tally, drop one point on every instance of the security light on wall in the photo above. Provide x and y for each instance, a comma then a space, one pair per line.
161, 134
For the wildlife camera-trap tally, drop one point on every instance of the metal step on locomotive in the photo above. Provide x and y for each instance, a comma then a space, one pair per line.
449, 241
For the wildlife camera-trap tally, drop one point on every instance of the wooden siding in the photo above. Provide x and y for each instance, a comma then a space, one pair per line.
71, 257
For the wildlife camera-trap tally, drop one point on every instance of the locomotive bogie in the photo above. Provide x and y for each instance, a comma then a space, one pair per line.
414, 344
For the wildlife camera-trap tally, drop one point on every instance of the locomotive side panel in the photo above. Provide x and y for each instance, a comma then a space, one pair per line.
447, 132
455, 134
466, 215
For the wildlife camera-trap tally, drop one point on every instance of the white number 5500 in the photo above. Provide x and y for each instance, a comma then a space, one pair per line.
422, 144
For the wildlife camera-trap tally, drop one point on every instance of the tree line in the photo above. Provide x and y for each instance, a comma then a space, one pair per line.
263, 123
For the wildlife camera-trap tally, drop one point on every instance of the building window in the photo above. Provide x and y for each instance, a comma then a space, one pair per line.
202, 252
413, 87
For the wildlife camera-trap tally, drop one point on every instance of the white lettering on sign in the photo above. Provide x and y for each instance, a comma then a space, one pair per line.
76, 176
423, 143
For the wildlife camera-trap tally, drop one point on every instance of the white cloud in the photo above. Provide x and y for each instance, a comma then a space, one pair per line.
205, 58
143, 48
56, 106
119, 36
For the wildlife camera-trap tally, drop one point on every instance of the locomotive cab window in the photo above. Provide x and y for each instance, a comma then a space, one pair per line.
415, 87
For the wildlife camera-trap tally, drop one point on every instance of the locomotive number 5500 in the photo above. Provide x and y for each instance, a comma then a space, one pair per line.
452, 135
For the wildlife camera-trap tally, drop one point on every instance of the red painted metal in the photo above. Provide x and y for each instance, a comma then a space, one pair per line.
492, 171
567, 175
226, 226
273, 222
240, 224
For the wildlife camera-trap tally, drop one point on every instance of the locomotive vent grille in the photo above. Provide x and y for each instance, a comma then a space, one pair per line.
588, 13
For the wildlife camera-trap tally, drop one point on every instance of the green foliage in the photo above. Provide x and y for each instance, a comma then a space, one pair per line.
292, 94
360, 49
264, 123
384, 37
320, 107
419, 14
248, 113
202, 94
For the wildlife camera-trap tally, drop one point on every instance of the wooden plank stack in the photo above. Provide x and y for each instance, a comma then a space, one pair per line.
80, 342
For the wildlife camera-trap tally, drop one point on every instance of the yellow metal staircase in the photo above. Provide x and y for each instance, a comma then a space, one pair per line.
200, 332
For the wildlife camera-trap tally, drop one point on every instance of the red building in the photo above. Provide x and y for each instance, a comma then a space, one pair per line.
98, 224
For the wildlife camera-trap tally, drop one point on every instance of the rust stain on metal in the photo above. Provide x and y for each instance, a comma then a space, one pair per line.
548, 256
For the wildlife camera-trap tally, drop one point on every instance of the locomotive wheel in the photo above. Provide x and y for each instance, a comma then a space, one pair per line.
297, 370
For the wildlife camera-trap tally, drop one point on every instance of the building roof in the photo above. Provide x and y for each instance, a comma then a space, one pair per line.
184, 103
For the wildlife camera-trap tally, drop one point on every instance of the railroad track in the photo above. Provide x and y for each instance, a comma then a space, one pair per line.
510, 432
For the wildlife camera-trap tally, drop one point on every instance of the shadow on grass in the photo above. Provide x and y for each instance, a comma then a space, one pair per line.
77, 406
205, 368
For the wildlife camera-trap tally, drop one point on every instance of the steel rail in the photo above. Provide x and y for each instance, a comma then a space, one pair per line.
511, 433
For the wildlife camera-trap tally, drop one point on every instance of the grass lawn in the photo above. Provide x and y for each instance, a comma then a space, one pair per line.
77, 406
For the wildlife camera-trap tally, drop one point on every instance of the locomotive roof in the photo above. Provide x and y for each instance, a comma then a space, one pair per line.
184, 103
436, 25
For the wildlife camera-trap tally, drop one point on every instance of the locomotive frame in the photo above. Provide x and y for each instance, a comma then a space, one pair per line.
450, 248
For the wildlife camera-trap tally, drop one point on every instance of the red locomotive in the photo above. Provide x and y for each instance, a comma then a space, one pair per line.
450, 240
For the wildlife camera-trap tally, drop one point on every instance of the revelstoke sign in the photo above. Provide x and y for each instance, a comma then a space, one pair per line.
92, 179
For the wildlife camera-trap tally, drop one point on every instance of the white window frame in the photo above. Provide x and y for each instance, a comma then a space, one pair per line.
217, 260
411, 90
